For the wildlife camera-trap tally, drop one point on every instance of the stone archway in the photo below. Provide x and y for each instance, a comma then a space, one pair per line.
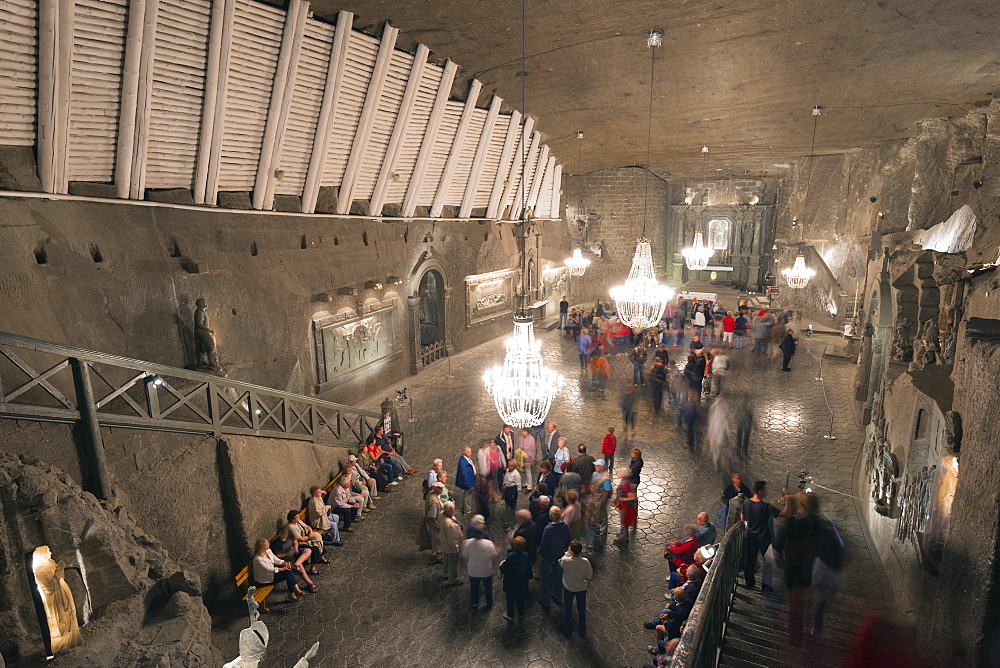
428, 305
431, 314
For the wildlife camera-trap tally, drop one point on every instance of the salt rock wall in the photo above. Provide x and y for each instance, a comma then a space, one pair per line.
141, 607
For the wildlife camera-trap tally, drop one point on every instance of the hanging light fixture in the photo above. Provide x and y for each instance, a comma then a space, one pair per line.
798, 275
523, 387
640, 302
576, 263
698, 254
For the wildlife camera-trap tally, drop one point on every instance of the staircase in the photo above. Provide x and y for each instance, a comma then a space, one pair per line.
757, 632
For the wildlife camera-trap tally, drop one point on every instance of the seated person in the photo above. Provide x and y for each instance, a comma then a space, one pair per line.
362, 482
383, 471
344, 503
385, 461
320, 516
668, 624
385, 445
286, 547
705, 533
681, 552
306, 537
270, 570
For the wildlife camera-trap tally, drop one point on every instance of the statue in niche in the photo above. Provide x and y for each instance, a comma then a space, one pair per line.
948, 342
903, 349
57, 600
428, 307
206, 354
953, 427
884, 485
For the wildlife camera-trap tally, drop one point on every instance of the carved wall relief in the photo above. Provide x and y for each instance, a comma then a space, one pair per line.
489, 296
347, 342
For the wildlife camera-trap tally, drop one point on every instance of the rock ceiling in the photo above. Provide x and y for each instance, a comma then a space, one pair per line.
740, 76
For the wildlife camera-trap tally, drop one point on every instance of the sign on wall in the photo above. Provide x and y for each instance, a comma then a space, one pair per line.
489, 296
349, 342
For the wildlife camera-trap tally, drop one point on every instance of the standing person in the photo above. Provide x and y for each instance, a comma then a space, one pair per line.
551, 441
451, 543
577, 572
757, 513
730, 492
635, 467
775, 336
608, 447
560, 463
573, 514
511, 486
690, 411
492, 463
658, 376
563, 315
555, 540
516, 571
583, 463
505, 441
432, 510
548, 477
639, 358
743, 412
584, 345
787, 347
600, 370
465, 478
527, 531
740, 328
718, 433
694, 370
677, 325
600, 495
627, 404
698, 320
627, 502
720, 369
478, 556
728, 330
528, 446
759, 330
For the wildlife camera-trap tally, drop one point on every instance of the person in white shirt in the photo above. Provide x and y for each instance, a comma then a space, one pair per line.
528, 447
511, 485
432, 475
562, 457
269, 570
577, 572
479, 557
361, 480
720, 369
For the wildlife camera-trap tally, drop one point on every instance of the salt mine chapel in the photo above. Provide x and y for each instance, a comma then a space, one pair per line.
523, 334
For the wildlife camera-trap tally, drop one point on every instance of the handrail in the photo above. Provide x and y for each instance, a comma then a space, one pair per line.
159, 397
701, 641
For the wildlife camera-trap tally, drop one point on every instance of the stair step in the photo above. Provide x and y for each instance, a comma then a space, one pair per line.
733, 662
777, 645
833, 635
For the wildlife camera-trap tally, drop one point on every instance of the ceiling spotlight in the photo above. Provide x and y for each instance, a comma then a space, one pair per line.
579, 134
795, 222
655, 38
977, 184
393, 280
704, 149
156, 381
873, 199
816, 111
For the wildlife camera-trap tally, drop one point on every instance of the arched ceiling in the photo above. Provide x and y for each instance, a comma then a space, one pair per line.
740, 76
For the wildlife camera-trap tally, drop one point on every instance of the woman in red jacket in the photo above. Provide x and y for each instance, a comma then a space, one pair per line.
728, 328
608, 448
681, 553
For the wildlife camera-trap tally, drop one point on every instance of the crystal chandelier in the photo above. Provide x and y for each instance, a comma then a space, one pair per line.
577, 264
798, 275
523, 388
641, 301
697, 255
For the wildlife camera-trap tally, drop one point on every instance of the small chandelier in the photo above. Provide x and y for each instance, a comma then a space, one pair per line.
523, 388
577, 264
697, 255
798, 275
641, 301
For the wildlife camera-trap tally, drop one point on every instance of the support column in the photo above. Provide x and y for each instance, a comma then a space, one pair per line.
448, 347
413, 306
93, 442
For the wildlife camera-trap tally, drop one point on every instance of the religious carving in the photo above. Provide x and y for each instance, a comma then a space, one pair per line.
915, 502
57, 600
948, 342
206, 354
903, 349
349, 341
884, 485
953, 429
489, 295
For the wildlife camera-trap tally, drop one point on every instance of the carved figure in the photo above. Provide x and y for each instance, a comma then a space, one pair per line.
57, 600
904, 351
304, 661
931, 337
206, 354
253, 639
948, 342
884, 484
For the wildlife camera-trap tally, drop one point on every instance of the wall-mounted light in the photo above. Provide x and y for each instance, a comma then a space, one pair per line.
579, 134
393, 280
795, 222
347, 292
373, 285
977, 184
881, 215
873, 199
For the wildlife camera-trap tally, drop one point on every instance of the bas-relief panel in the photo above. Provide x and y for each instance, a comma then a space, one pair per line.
348, 342
489, 296
555, 283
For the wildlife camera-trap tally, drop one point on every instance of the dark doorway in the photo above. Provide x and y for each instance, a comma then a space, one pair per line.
431, 308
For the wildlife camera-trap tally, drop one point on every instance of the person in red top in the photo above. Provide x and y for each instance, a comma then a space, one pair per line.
608, 448
728, 327
681, 552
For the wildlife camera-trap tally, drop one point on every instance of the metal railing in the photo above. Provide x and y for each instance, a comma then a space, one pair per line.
51, 382
701, 641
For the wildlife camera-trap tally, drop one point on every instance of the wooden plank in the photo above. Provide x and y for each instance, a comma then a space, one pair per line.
281, 98
456, 148
479, 161
520, 197
556, 211
55, 47
213, 108
494, 208
137, 189
324, 124
399, 130
513, 178
129, 98
539, 175
365, 122
430, 137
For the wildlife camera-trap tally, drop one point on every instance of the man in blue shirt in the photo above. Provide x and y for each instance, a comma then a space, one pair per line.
584, 344
555, 541
465, 479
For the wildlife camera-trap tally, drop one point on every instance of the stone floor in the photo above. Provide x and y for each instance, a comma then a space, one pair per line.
381, 603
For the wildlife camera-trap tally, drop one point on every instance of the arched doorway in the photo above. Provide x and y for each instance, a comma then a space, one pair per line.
431, 316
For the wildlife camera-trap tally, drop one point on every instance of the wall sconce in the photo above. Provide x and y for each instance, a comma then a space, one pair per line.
393, 280
881, 215
977, 184
347, 292
795, 222
373, 285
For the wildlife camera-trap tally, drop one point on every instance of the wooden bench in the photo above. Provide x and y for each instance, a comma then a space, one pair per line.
243, 577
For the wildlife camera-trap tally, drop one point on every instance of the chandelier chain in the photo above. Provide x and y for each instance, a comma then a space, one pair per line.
649, 136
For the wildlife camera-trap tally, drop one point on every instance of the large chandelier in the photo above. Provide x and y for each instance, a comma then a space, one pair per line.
697, 255
577, 264
523, 388
798, 275
641, 301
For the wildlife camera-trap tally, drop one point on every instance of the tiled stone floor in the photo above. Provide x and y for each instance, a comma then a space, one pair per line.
381, 603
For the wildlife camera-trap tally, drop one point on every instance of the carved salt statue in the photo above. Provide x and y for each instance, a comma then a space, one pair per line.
253, 640
919, 348
57, 600
904, 351
304, 661
932, 338
206, 354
